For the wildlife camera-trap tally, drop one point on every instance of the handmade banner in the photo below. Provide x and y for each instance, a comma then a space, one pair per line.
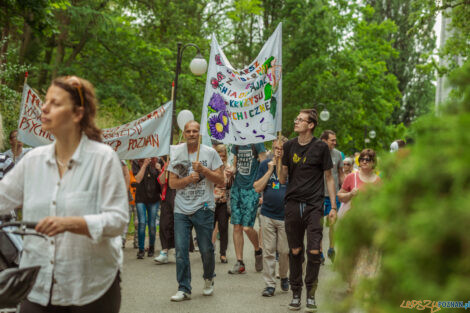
145, 137
244, 106
30, 129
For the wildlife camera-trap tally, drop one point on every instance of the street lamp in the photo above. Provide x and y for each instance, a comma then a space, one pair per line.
198, 66
324, 114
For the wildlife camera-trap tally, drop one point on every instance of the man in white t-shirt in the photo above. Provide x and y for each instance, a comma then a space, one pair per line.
194, 181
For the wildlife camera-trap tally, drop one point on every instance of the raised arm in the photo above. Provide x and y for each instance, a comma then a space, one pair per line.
176, 182
261, 183
215, 176
140, 175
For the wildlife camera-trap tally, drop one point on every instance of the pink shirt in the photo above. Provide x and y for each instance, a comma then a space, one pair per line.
353, 180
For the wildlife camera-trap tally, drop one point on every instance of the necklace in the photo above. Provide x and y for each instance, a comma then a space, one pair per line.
305, 142
60, 163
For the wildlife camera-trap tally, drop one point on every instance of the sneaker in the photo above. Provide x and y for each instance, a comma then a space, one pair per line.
180, 296
162, 258
331, 254
285, 284
140, 254
238, 268
259, 261
268, 292
208, 287
322, 258
295, 303
151, 252
311, 305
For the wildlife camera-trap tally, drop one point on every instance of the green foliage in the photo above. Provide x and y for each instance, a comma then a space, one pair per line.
413, 46
9, 98
343, 54
418, 219
350, 77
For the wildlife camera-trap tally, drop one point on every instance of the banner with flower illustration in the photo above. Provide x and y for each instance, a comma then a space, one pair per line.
244, 106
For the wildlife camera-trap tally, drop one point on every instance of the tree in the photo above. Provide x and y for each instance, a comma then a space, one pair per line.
414, 45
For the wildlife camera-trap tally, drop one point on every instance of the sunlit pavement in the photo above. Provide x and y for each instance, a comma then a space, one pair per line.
147, 286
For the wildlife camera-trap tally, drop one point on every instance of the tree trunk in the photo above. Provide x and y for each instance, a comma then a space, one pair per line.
60, 51
47, 61
26, 38
4, 48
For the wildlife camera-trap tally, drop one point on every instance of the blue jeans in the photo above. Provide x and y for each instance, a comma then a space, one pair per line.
203, 222
147, 213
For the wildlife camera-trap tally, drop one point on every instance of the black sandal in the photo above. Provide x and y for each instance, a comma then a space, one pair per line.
223, 259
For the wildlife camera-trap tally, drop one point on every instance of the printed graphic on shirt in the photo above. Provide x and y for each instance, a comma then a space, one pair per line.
296, 158
192, 191
244, 162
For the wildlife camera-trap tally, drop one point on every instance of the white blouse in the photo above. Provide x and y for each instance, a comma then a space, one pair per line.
79, 269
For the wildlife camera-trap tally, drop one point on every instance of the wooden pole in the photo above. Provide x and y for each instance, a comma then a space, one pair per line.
278, 162
198, 148
26, 77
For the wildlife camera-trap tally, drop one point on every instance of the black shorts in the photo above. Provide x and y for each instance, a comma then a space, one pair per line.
301, 218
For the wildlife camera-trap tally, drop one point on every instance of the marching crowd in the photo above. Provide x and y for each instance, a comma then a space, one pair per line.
74, 189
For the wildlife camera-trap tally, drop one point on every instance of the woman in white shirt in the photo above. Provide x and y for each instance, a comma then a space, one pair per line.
75, 190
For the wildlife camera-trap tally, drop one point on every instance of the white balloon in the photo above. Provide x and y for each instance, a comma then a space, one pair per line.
183, 117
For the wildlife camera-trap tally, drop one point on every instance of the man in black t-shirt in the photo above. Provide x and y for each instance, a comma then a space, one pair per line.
307, 162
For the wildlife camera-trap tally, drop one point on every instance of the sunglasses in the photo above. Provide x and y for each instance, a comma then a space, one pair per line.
367, 160
348, 164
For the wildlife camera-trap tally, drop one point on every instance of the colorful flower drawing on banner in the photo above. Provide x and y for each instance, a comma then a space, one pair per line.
273, 73
218, 117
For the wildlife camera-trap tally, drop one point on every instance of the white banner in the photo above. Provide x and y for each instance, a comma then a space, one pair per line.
145, 137
244, 106
30, 129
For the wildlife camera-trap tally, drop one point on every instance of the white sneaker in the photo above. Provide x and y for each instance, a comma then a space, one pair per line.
180, 296
162, 258
208, 287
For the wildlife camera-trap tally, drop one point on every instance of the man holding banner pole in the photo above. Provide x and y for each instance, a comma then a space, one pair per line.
307, 162
193, 173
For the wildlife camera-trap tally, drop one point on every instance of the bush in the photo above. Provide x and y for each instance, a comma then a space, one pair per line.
418, 219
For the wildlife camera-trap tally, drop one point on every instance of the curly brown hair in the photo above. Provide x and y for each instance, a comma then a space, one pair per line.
83, 95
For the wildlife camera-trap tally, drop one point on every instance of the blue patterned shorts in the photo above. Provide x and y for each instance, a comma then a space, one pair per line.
244, 206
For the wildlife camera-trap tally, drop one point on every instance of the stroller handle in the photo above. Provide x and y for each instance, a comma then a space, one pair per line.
30, 225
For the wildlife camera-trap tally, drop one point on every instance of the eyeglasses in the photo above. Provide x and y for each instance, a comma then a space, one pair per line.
299, 120
367, 160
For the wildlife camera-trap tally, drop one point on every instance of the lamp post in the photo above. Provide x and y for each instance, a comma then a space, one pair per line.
198, 67
324, 114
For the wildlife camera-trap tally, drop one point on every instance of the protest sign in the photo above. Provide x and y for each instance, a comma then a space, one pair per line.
30, 129
244, 106
145, 137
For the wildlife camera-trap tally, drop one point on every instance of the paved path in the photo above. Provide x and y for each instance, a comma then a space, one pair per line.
147, 286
